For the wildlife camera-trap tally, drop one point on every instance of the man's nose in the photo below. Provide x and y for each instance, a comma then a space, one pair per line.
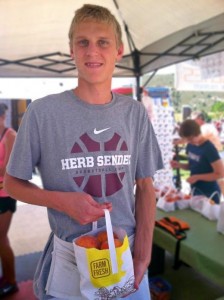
92, 48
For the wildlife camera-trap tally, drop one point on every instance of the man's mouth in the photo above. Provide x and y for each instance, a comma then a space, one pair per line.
93, 64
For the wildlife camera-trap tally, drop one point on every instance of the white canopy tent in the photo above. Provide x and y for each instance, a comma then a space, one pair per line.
34, 34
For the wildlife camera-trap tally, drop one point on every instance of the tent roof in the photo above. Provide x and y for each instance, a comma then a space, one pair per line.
34, 34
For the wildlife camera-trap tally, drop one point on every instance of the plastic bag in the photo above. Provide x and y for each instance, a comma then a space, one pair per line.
165, 205
197, 202
220, 223
184, 201
210, 209
106, 274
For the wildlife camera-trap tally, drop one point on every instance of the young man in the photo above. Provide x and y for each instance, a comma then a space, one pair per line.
204, 162
90, 146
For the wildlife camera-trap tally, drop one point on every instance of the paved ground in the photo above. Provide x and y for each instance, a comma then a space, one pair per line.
29, 230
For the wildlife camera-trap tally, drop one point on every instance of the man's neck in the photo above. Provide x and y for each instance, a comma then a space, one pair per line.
201, 140
94, 94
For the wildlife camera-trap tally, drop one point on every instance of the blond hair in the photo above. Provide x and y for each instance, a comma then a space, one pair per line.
96, 13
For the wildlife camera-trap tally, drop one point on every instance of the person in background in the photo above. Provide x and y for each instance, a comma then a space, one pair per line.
74, 139
204, 161
8, 283
208, 130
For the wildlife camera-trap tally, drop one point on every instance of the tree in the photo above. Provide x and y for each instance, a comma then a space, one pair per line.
218, 109
218, 106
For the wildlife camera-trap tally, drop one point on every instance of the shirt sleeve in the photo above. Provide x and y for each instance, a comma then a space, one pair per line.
212, 153
26, 150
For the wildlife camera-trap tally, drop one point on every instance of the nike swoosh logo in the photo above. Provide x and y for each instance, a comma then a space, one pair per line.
100, 131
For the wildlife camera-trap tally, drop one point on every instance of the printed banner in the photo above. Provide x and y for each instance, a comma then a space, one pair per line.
206, 74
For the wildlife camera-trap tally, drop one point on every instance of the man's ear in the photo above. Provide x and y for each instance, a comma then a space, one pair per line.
120, 52
72, 53
71, 50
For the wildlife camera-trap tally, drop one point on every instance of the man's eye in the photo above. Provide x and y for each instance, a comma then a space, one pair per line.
103, 43
83, 43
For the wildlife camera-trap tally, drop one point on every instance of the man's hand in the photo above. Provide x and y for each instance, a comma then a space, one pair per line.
145, 210
81, 206
139, 269
192, 179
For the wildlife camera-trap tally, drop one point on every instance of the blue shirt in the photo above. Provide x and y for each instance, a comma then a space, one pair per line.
200, 159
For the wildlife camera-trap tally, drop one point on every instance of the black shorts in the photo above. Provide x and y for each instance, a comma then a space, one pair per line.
7, 203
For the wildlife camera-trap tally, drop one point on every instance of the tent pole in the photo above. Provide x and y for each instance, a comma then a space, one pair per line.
138, 89
135, 54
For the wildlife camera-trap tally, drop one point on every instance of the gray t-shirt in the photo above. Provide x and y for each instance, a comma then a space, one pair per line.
98, 149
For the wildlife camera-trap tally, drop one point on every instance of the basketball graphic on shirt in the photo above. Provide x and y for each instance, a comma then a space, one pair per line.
104, 177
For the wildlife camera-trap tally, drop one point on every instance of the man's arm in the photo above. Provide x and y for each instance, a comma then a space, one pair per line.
79, 206
218, 173
145, 221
